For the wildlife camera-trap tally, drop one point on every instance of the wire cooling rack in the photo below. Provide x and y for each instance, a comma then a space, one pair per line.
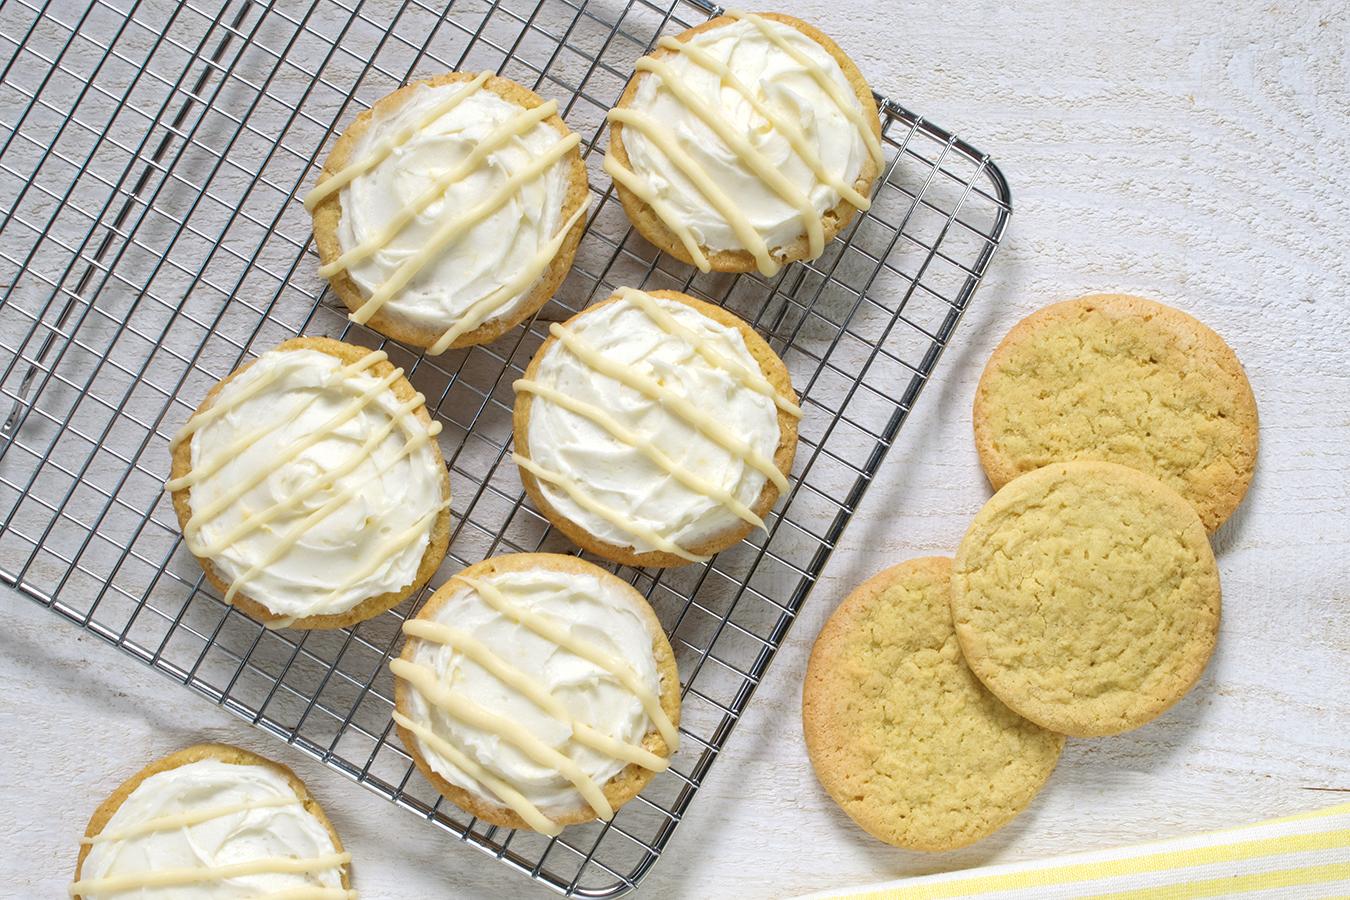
151, 239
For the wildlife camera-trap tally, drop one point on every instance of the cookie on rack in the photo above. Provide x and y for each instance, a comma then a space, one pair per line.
654, 429
450, 211
310, 487
1125, 380
745, 143
211, 821
1086, 597
901, 733
536, 691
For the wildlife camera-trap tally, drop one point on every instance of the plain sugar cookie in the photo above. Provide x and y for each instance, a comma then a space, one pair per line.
901, 734
1086, 596
1125, 380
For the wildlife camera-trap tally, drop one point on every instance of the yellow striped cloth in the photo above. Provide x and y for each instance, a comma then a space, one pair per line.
1301, 856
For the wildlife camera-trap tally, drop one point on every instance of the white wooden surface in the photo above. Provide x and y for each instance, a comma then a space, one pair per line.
1191, 152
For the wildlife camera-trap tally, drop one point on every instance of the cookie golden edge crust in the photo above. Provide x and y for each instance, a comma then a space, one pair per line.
649, 224
1087, 719
776, 373
328, 213
1001, 469
370, 607
630, 780
820, 691
196, 753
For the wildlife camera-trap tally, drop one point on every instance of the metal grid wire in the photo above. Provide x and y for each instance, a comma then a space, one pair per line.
151, 239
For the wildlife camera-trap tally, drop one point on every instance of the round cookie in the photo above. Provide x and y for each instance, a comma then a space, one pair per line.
558, 648
487, 294
236, 833
901, 733
272, 500
785, 178
1086, 597
1125, 380
673, 489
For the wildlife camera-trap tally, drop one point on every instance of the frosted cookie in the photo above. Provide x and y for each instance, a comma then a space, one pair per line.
537, 691
654, 429
310, 487
211, 821
1125, 380
744, 143
901, 733
1086, 597
450, 211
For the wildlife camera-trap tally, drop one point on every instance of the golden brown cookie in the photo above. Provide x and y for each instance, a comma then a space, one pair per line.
771, 370
197, 753
328, 213
1125, 380
901, 733
1086, 597
371, 606
650, 224
453, 597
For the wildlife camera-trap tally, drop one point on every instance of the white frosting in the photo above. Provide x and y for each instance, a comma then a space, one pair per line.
269, 832
344, 557
592, 609
484, 257
618, 474
783, 85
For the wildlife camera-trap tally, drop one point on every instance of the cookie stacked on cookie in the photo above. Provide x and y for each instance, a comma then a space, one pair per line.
1084, 598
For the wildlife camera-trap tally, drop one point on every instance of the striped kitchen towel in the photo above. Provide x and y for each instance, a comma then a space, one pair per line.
1301, 856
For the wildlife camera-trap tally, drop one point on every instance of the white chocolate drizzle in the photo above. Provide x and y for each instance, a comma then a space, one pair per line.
182, 820
292, 502
424, 680
533, 690
202, 874
483, 309
619, 520
514, 799
338, 180
623, 433
452, 229
644, 191
551, 631
821, 78
790, 130
457, 225
219, 410
523, 121
665, 139
751, 378
707, 425
812, 222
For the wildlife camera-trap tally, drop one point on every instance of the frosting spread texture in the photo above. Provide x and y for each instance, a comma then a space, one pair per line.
553, 655
313, 487
470, 238
688, 388
210, 830
742, 138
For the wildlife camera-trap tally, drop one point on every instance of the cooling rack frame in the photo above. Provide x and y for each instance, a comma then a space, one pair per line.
152, 156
